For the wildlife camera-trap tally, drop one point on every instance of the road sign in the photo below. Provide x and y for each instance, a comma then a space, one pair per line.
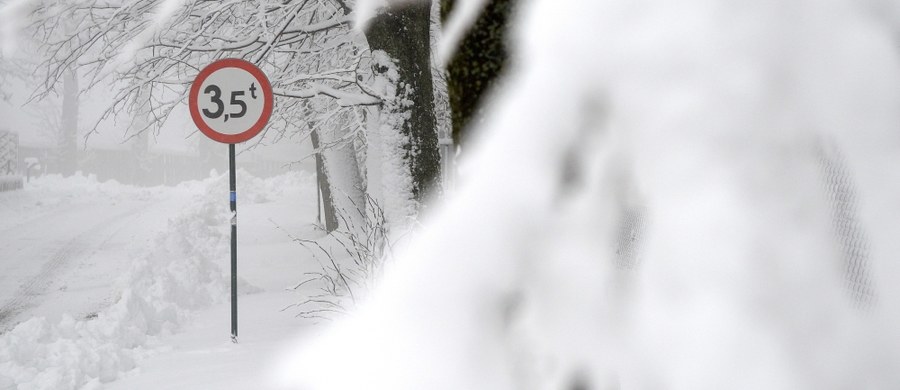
231, 100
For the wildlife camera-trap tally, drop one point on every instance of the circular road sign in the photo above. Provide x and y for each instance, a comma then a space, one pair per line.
230, 100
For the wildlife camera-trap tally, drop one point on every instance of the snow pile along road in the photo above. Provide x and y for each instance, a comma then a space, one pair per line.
178, 275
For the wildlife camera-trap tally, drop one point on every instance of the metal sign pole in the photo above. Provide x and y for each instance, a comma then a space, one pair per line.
233, 186
231, 88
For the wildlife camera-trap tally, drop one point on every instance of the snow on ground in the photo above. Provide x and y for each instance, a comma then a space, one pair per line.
168, 307
62, 241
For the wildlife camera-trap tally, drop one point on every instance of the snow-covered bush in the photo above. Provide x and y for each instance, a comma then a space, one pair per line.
350, 265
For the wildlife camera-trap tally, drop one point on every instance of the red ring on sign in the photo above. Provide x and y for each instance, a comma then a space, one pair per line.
264, 86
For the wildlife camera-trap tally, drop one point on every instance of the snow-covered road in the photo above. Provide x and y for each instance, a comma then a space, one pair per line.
66, 259
101, 282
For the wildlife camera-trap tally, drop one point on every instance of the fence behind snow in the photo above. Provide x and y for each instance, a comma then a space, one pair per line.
10, 179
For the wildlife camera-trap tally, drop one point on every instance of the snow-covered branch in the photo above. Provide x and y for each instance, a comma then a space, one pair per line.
343, 98
306, 47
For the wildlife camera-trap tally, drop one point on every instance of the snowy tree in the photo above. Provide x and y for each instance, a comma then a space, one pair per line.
332, 83
62, 130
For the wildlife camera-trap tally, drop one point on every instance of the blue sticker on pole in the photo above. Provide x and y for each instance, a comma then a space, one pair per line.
233, 196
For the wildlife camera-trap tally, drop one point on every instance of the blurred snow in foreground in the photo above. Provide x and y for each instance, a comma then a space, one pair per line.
709, 119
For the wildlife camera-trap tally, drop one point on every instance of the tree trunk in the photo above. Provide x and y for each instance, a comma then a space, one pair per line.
140, 145
344, 179
477, 64
407, 123
331, 222
68, 137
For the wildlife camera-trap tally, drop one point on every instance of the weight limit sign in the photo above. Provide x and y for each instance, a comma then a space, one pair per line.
231, 100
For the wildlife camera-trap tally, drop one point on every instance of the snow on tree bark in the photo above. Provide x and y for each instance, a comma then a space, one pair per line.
324, 186
345, 181
402, 35
390, 176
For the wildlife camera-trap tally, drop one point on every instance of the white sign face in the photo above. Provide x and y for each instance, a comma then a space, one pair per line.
231, 100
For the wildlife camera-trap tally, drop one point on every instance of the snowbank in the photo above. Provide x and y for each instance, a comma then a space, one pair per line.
77, 184
178, 275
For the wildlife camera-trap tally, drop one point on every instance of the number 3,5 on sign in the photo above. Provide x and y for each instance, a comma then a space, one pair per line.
231, 100
236, 99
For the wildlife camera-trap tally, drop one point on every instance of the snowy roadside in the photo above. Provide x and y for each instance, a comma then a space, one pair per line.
176, 276
49, 194
63, 242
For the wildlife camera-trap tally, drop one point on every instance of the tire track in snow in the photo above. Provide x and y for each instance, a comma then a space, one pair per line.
31, 290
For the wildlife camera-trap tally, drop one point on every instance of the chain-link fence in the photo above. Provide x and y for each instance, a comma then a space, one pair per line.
847, 228
10, 178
